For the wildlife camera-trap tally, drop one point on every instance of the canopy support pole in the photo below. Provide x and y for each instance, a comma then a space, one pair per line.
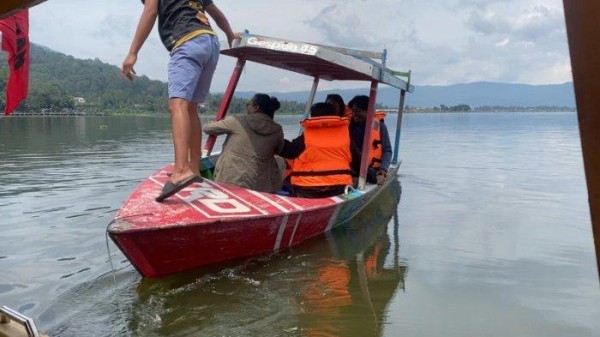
225, 102
399, 126
310, 100
366, 146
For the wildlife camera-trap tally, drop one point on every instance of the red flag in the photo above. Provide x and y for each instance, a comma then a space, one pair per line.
15, 40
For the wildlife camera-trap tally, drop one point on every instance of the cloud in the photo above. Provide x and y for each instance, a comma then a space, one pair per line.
503, 43
532, 24
442, 41
540, 23
487, 22
343, 26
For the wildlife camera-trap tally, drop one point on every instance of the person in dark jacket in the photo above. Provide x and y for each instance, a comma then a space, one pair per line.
359, 106
339, 106
247, 158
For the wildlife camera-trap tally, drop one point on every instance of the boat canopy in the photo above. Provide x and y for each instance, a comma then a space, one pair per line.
320, 62
323, 62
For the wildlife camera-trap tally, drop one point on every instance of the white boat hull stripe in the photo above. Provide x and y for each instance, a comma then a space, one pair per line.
294, 231
273, 203
282, 226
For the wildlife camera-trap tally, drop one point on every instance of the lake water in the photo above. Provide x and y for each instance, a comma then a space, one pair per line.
491, 237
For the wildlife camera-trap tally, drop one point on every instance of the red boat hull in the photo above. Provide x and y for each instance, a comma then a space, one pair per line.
210, 222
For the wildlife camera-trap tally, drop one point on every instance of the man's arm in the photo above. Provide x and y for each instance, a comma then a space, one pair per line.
224, 126
356, 156
387, 151
293, 149
222, 22
380, 176
144, 27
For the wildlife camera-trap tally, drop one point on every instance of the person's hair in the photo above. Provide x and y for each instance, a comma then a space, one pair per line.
266, 104
322, 109
360, 101
339, 101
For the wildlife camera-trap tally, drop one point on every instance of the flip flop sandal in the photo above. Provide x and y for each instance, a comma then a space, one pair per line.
171, 189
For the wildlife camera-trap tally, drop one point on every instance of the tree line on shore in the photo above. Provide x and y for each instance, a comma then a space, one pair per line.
488, 108
61, 83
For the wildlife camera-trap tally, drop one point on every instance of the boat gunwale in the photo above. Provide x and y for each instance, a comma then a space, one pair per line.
121, 226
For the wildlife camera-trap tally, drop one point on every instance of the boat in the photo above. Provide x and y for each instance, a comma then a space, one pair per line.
15, 324
209, 222
323, 284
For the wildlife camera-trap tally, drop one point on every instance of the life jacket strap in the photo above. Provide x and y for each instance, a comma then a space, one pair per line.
319, 173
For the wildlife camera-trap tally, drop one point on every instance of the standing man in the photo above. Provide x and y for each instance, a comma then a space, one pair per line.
186, 32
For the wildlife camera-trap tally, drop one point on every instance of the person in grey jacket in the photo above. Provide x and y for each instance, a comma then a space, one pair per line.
247, 157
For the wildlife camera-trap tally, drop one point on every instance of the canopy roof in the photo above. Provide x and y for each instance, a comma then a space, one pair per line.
326, 62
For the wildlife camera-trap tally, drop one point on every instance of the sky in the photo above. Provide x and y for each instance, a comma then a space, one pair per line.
442, 41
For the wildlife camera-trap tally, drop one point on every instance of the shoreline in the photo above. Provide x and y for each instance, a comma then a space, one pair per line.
166, 115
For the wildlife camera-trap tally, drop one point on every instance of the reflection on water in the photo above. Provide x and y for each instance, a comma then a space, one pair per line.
348, 293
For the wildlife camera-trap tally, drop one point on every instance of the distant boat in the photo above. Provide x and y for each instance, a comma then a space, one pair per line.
210, 222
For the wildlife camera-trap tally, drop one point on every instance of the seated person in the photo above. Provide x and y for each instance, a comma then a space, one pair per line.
247, 156
380, 154
322, 157
339, 107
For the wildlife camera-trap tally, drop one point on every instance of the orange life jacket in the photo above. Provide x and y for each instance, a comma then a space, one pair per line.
327, 297
372, 271
326, 159
376, 150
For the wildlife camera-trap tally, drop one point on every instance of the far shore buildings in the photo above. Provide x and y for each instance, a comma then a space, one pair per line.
78, 100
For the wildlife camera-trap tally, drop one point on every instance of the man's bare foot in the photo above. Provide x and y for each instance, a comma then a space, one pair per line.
180, 175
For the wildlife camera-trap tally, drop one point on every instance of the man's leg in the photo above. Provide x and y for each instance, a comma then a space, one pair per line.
195, 137
190, 72
181, 127
210, 55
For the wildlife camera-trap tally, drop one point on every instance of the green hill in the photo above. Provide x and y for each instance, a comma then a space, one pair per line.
55, 79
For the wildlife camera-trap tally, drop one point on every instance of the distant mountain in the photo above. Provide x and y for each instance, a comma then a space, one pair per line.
474, 94
495, 94
56, 78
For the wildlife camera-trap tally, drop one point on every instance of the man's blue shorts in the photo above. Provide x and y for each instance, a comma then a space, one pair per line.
191, 68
